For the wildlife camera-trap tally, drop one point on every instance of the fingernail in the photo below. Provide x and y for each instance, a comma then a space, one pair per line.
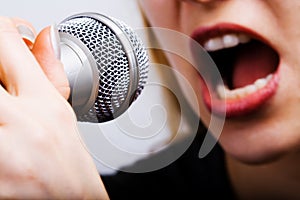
55, 41
26, 34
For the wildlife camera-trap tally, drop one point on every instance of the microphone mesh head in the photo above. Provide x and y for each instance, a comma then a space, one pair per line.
122, 68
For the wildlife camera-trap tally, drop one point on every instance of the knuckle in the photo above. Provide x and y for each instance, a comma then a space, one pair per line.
64, 113
65, 91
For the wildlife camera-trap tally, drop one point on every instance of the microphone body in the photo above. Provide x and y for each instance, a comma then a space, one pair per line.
106, 65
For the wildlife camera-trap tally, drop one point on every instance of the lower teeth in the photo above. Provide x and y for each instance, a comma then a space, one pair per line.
225, 93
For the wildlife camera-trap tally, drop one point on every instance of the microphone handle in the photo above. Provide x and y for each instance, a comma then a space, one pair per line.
81, 69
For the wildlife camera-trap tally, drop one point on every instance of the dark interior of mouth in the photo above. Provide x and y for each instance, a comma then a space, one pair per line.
244, 64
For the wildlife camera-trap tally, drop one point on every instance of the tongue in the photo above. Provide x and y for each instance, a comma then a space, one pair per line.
254, 60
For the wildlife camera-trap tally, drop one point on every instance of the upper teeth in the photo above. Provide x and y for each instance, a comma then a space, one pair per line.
225, 41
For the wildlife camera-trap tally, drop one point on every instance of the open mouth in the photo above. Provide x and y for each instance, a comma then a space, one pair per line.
247, 64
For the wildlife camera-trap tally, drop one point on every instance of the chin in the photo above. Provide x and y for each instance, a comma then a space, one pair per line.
257, 156
255, 143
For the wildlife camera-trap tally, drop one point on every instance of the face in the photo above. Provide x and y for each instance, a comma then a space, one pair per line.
256, 46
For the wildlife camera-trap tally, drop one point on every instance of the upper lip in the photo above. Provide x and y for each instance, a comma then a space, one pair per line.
204, 33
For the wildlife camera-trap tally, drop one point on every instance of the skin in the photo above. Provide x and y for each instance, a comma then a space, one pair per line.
262, 147
37, 151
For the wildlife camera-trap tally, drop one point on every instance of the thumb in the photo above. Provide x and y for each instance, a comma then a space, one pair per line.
46, 50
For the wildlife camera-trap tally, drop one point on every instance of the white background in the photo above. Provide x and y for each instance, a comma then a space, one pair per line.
44, 13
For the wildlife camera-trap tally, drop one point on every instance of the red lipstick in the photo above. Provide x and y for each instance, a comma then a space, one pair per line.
250, 71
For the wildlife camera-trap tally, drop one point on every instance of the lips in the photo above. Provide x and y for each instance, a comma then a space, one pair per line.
249, 67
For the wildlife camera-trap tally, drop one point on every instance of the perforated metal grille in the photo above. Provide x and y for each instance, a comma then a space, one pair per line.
140, 51
112, 62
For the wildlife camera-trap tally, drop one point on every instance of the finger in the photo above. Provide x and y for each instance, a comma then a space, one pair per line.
27, 35
20, 70
26, 30
47, 52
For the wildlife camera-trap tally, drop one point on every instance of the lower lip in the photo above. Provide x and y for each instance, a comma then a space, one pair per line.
242, 106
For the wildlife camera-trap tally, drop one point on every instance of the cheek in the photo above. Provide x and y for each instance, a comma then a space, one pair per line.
166, 14
188, 80
161, 13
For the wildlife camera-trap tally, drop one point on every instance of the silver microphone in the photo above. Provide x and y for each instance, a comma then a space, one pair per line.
106, 65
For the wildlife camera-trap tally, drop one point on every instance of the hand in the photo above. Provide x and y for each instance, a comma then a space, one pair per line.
41, 154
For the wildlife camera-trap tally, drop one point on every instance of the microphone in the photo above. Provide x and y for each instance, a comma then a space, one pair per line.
106, 65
